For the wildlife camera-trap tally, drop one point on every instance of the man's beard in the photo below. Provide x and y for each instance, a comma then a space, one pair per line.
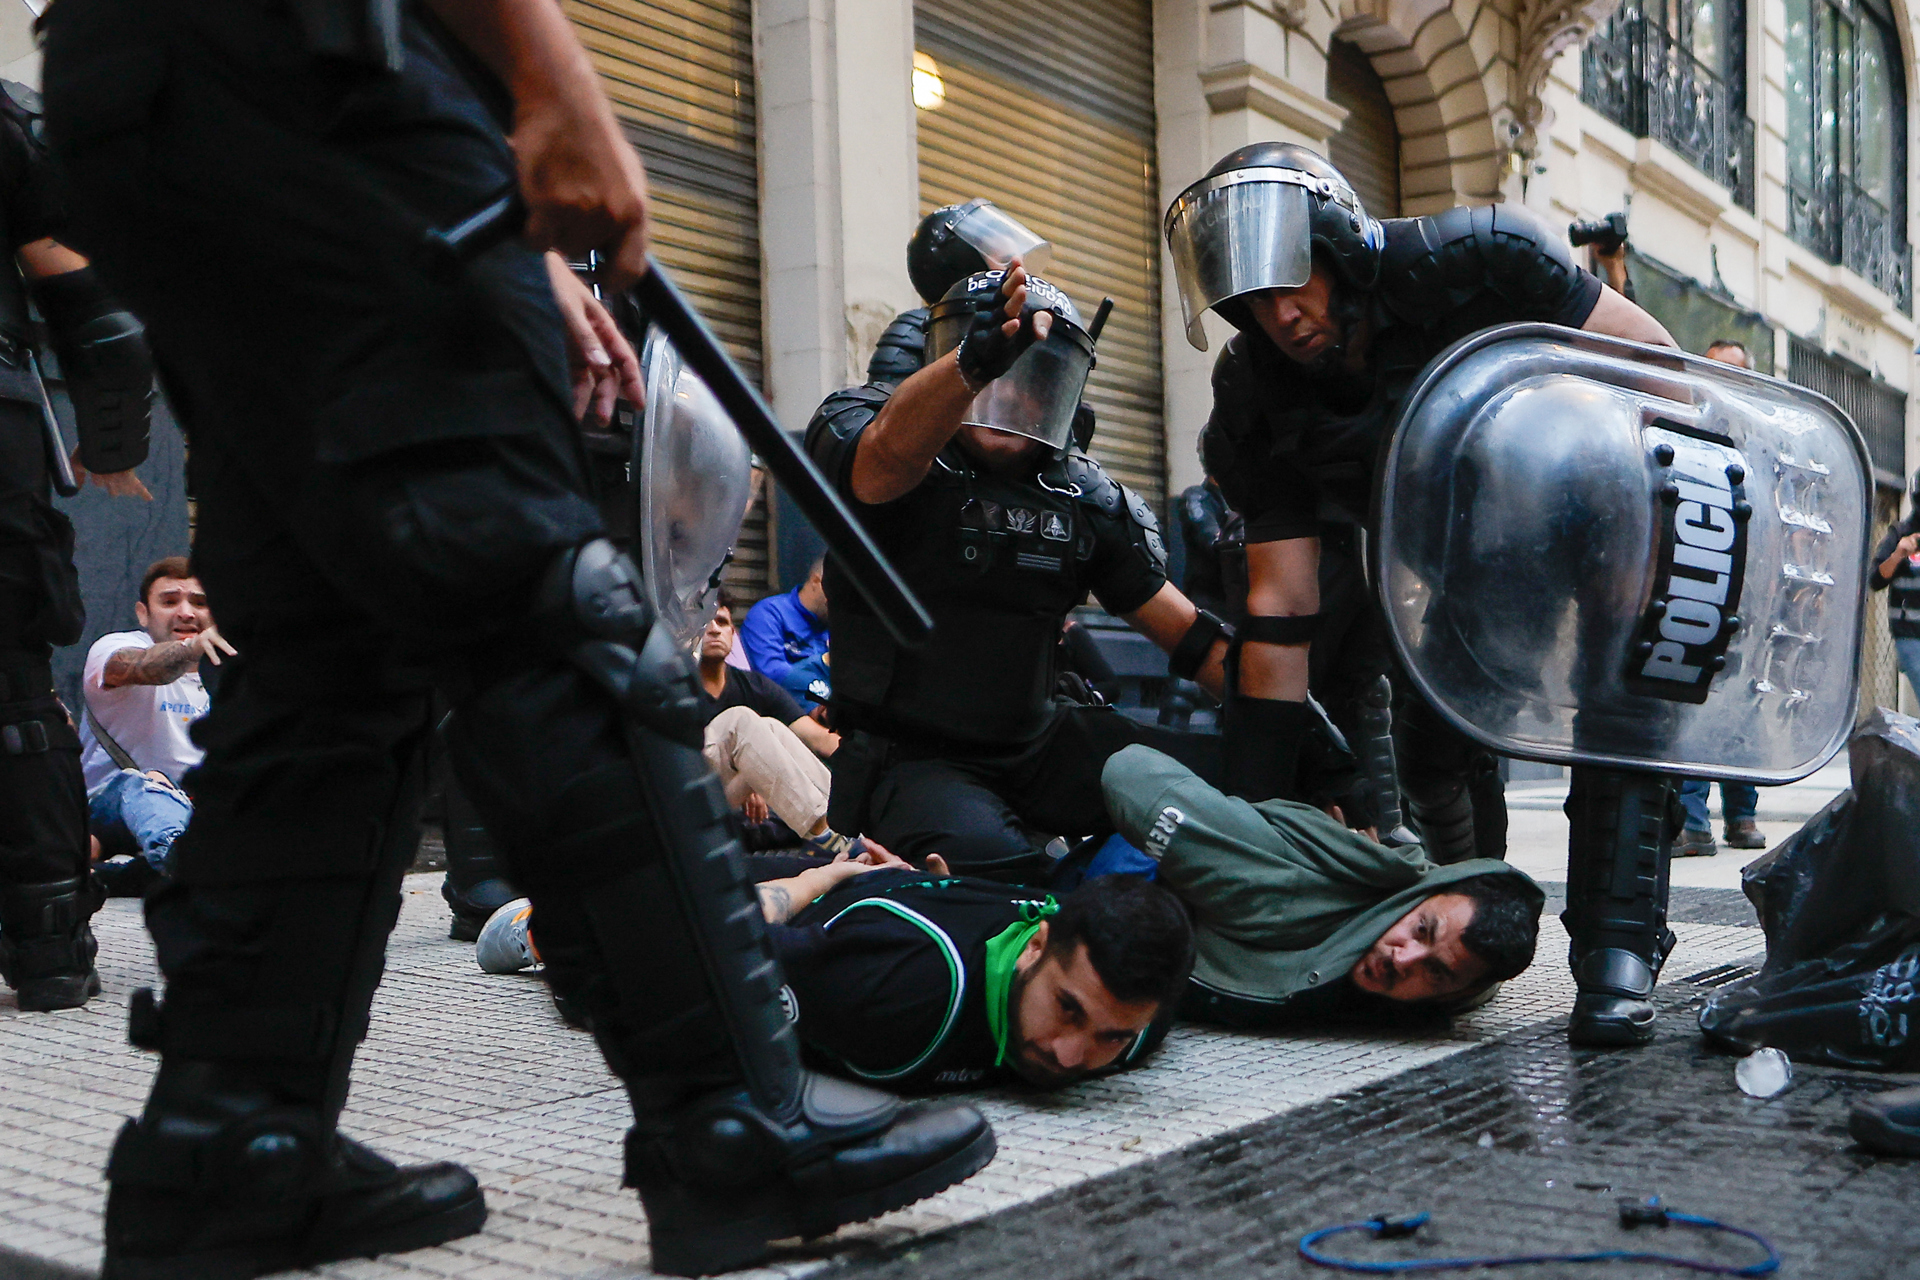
1026, 1063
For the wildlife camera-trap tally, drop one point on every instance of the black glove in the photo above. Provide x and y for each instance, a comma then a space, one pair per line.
986, 351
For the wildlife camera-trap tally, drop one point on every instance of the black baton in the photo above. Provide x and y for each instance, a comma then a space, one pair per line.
64, 483
905, 617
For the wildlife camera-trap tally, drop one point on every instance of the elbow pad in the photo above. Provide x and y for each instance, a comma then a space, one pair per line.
109, 369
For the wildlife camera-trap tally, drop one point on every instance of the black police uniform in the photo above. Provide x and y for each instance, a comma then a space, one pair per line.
960, 748
393, 498
45, 894
1295, 450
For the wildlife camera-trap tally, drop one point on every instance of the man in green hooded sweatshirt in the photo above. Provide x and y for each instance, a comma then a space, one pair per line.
1296, 918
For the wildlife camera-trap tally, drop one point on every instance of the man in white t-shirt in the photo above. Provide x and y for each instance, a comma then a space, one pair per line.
143, 693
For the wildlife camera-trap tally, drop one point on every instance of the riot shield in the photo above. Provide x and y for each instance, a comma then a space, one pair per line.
692, 476
1596, 552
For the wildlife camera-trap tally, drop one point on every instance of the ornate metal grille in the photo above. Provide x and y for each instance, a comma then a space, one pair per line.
1880, 411
1638, 75
1845, 84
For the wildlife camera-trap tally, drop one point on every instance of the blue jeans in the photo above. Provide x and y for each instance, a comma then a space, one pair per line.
151, 811
1908, 652
1737, 800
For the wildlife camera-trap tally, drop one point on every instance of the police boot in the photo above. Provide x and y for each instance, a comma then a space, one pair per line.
733, 1145
223, 1179
46, 945
1444, 818
1379, 768
476, 885
1618, 850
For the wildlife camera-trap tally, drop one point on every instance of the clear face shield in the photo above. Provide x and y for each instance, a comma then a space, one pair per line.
999, 238
1038, 396
693, 478
1238, 233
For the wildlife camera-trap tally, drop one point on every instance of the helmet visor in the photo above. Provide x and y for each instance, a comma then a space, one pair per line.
1238, 233
1037, 397
999, 238
694, 477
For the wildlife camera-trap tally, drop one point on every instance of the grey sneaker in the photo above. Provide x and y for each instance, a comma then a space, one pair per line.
1694, 843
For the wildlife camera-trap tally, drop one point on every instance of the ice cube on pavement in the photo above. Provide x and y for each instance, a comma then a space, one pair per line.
1763, 1073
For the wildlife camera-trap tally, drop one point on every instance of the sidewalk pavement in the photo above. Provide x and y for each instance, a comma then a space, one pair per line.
460, 1065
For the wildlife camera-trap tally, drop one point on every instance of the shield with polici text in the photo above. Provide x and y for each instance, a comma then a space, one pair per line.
1592, 551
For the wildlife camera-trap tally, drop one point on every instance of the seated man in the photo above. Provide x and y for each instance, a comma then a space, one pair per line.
925, 981
143, 692
766, 751
785, 637
1296, 917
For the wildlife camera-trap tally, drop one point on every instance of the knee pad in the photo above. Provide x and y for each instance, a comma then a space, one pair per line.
592, 610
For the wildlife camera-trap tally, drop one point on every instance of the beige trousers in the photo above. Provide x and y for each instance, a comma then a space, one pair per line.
753, 752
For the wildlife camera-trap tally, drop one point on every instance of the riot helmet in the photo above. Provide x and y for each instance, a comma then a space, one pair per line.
693, 479
959, 240
1253, 224
1039, 396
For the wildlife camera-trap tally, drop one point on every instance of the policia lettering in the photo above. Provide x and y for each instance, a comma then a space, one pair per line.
1701, 533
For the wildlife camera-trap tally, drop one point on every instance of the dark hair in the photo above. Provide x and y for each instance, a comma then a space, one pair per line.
1730, 342
1505, 925
1136, 934
727, 602
171, 567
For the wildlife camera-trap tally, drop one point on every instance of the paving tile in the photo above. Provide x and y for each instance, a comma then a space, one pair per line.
460, 1065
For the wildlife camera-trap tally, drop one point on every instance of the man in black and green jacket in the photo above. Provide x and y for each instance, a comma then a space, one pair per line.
924, 980
1296, 918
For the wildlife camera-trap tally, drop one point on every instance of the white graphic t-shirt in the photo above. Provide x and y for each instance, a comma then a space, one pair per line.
149, 721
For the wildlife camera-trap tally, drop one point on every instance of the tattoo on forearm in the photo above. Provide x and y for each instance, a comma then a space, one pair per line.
775, 903
162, 664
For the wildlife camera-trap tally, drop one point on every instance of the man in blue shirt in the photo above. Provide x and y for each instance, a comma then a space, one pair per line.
786, 639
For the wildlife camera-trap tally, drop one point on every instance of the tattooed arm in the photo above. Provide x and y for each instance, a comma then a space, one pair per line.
782, 900
164, 662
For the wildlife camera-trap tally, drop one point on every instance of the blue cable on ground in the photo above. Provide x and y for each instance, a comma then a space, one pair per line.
1633, 1213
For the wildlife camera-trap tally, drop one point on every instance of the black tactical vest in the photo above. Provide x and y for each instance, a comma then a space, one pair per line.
998, 561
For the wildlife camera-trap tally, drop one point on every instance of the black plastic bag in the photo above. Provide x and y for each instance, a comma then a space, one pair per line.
1839, 902
1858, 1007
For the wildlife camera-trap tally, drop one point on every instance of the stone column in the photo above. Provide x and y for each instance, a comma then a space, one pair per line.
1225, 75
839, 194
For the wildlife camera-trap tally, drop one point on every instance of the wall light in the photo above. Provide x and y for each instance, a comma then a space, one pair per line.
929, 90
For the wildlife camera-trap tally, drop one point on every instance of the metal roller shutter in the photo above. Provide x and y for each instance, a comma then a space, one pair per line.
1048, 112
680, 73
1367, 148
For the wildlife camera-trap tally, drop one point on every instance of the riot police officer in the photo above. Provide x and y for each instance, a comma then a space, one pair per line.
397, 434
46, 894
966, 474
1336, 314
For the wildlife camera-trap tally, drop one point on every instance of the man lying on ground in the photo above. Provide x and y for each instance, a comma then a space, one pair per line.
1296, 917
926, 980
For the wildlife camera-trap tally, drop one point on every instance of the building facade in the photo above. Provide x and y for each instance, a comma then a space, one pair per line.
1759, 148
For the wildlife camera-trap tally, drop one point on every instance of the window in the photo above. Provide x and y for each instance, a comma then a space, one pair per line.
1846, 140
1676, 71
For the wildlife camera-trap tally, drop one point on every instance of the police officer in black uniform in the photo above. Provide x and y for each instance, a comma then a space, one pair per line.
1337, 313
974, 489
46, 894
396, 434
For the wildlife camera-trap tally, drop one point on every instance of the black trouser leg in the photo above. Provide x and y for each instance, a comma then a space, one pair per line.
46, 890
1619, 845
476, 885
1444, 777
